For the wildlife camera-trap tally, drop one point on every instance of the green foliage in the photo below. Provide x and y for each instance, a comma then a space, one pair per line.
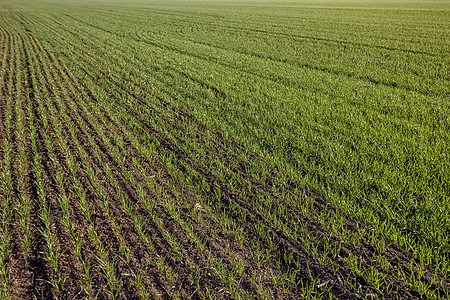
244, 150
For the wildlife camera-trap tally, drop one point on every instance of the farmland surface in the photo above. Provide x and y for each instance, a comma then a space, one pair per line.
259, 149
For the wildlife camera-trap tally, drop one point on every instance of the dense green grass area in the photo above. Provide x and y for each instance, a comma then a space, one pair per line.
350, 99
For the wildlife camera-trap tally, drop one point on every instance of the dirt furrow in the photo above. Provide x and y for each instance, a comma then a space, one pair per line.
21, 165
6, 191
4, 79
36, 274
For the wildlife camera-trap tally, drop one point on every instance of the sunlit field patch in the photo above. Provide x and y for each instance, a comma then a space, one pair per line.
237, 149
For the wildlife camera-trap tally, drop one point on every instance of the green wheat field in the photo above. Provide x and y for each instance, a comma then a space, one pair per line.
224, 149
